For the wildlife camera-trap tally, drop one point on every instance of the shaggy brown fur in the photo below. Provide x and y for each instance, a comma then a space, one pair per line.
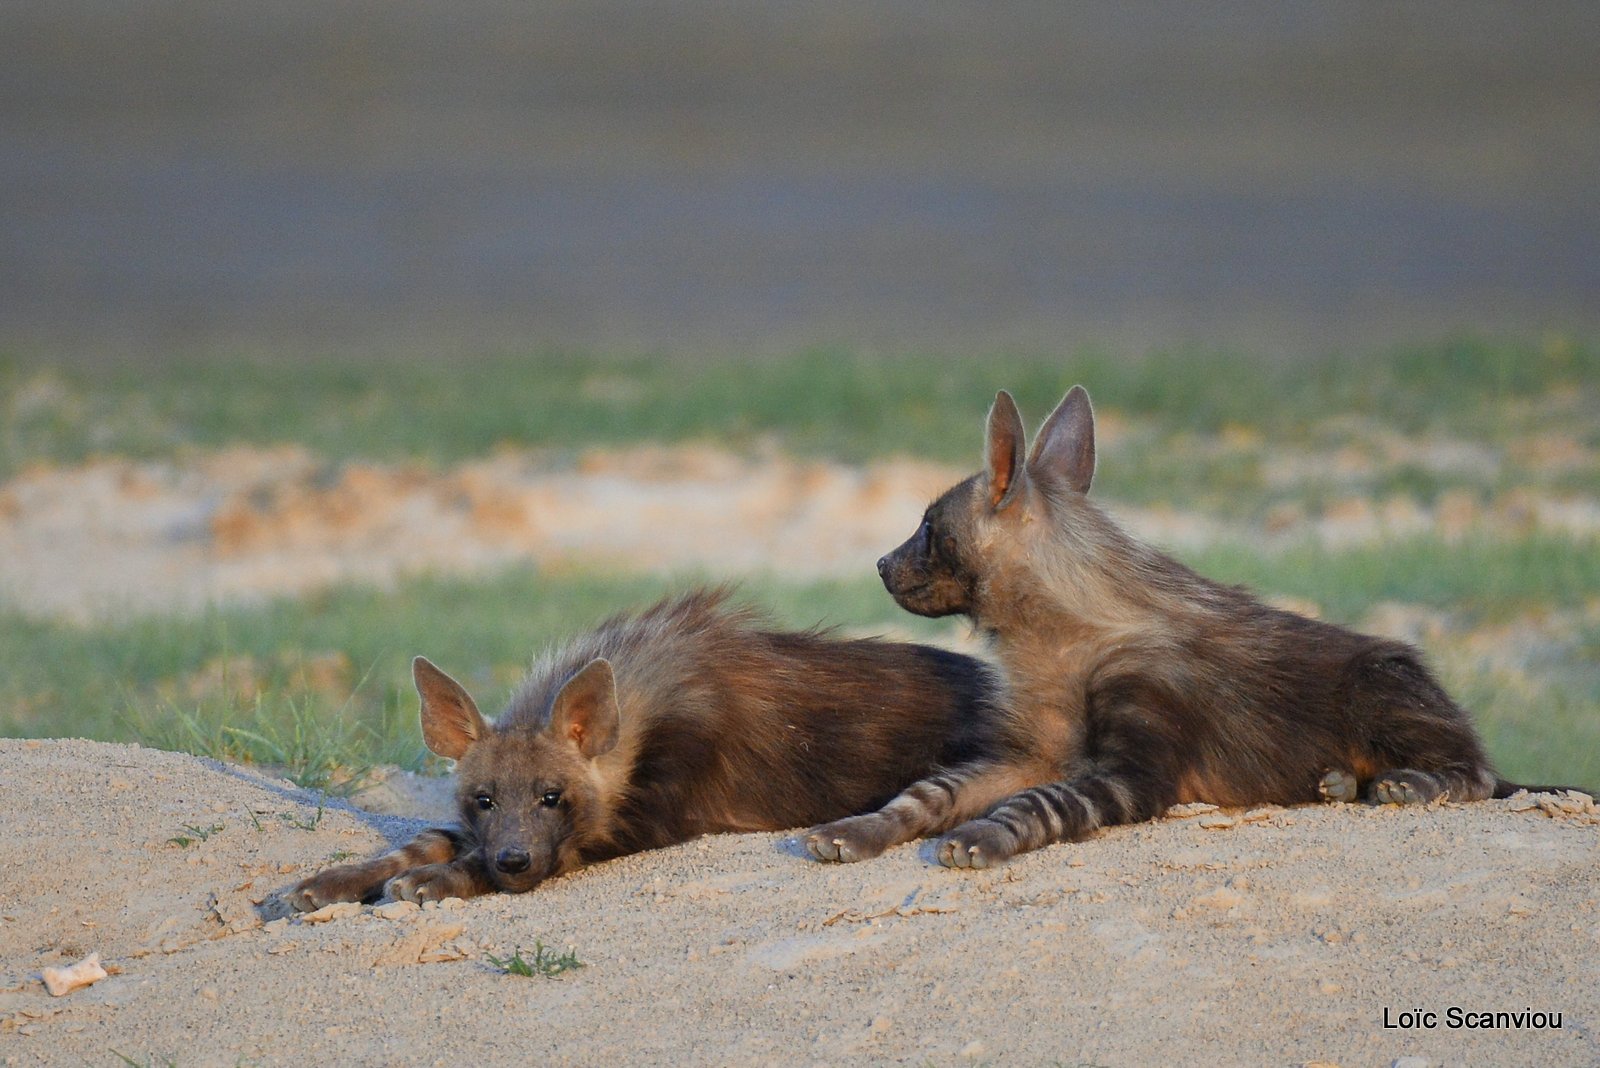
689, 718
1137, 684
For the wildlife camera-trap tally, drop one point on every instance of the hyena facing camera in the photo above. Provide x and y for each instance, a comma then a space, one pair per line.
689, 718
1137, 684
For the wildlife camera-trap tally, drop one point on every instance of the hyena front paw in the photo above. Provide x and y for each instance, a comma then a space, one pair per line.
1340, 786
432, 882
849, 840
1405, 787
347, 882
978, 844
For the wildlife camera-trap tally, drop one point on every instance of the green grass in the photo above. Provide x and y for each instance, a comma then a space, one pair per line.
545, 962
1479, 579
195, 833
829, 402
129, 681
156, 678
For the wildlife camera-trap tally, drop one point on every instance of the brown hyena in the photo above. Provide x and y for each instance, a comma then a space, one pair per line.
689, 718
1137, 684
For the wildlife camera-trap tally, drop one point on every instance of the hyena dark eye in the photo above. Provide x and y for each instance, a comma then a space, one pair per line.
551, 798
925, 534
485, 802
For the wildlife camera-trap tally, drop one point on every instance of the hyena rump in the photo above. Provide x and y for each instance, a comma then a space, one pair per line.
691, 717
1137, 684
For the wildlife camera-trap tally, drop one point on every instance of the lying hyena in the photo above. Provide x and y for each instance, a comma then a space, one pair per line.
689, 718
1136, 683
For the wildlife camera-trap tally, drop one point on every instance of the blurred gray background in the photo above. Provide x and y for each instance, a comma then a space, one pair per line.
699, 176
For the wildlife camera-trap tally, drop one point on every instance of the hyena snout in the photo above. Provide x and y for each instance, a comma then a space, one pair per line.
918, 582
903, 568
513, 861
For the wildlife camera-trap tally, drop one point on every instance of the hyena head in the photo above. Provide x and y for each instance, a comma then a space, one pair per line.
991, 524
529, 798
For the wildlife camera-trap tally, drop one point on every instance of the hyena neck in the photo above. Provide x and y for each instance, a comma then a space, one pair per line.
1085, 594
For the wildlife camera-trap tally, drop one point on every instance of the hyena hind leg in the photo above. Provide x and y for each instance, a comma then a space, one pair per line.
1425, 739
930, 806
1409, 786
365, 881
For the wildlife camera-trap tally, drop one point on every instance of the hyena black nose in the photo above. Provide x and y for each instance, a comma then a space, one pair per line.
512, 861
883, 565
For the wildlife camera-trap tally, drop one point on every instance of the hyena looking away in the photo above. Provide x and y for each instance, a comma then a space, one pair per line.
689, 718
1137, 684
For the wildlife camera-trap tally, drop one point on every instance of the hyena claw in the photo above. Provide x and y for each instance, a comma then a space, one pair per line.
827, 847
979, 844
407, 887
435, 882
1386, 792
344, 883
846, 841
1406, 787
1339, 786
303, 899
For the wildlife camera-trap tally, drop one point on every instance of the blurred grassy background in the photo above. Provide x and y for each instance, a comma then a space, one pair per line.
320, 684
829, 402
825, 229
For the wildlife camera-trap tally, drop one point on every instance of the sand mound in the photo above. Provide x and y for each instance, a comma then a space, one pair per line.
1273, 936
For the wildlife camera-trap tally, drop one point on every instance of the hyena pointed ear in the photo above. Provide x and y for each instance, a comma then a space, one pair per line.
1065, 443
1003, 452
586, 710
450, 719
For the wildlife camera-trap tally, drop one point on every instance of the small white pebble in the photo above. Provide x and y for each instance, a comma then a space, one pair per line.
62, 981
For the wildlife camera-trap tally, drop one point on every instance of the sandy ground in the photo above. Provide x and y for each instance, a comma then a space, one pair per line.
1269, 937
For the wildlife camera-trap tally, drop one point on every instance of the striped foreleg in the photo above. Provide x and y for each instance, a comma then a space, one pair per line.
928, 807
365, 881
1130, 777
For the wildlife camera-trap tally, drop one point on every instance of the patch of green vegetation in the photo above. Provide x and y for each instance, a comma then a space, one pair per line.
1479, 579
196, 833
148, 1062
545, 962
135, 681
1550, 736
306, 823
109, 681
822, 402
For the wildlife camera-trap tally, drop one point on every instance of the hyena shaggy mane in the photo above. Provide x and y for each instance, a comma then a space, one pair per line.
1137, 684
691, 717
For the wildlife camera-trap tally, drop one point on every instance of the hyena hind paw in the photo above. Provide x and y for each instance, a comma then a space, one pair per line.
1405, 787
1339, 786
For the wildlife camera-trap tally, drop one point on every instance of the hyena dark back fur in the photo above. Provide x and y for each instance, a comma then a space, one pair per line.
1137, 683
691, 717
